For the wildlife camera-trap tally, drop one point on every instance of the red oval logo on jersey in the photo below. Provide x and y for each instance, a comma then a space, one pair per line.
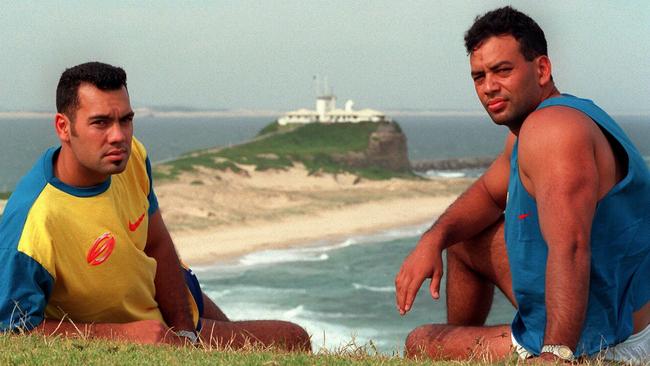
101, 249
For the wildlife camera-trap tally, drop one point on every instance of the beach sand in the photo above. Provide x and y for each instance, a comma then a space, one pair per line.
216, 216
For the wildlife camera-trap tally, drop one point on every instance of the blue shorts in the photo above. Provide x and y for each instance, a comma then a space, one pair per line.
195, 289
634, 351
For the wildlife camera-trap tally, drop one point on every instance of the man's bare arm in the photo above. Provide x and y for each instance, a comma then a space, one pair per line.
559, 168
142, 332
171, 291
480, 206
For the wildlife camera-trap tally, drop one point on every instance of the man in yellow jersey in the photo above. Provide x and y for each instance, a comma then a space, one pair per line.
83, 246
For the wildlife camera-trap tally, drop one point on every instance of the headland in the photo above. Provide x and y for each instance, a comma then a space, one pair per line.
293, 186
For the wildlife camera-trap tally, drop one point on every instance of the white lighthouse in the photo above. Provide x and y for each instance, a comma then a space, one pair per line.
326, 112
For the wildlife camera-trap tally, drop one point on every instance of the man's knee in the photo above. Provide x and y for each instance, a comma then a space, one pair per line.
414, 342
279, 333
457, 253
423, 341
443, 342
295, 336
460, 258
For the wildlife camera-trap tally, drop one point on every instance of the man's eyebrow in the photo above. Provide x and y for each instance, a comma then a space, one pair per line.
108, 116
499, 64
492, 68
99, 117
128, 115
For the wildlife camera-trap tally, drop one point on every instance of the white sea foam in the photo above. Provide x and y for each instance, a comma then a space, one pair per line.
444, 174
358, 286
450, 174
217, 294
328, 247
316, 252
295, 312
255, 290
323, 333
282, 256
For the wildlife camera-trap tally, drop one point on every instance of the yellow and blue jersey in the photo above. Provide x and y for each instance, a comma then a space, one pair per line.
78, 253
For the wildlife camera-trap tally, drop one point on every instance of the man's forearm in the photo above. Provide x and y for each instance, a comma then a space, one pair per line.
171, 291
142, 332
471, 213
567, 292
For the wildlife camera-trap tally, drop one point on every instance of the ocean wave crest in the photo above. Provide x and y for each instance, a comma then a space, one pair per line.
282, 256
358, 286
324, 334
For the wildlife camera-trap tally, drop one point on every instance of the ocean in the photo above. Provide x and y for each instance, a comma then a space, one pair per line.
341, 292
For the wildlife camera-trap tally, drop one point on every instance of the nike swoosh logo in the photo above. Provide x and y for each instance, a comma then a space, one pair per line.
134, 226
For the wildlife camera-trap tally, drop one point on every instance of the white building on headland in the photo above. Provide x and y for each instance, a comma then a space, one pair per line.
326, 112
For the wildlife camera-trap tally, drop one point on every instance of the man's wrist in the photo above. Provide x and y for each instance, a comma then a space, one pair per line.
433, 240
558, 350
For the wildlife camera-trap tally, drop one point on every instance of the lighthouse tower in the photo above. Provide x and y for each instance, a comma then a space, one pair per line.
325, 102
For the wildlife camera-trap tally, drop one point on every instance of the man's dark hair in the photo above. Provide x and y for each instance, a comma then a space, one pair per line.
101, 75
504, 21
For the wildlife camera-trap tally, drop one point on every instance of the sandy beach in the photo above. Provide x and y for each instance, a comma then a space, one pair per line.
216, 216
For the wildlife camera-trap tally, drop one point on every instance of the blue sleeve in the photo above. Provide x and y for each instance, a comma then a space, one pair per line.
25, 287
153, 200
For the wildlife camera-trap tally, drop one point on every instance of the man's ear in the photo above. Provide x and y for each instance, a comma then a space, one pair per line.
62, 127
544, 70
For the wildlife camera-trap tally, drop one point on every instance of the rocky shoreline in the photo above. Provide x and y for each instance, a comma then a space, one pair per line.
481, 162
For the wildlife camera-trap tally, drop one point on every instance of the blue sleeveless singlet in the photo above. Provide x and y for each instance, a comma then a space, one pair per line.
620, 249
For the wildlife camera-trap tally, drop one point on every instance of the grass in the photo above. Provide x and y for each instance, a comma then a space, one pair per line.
279, 147
276, 127
39, 349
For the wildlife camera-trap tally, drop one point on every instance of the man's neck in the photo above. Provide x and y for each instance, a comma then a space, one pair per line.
68, 171
550, 93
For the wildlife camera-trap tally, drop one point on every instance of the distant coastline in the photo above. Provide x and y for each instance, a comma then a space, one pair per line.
272, 114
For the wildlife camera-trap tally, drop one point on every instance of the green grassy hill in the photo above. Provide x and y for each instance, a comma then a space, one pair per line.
327, 148
47, 350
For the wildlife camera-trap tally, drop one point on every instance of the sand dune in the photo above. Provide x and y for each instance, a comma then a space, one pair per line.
215, 216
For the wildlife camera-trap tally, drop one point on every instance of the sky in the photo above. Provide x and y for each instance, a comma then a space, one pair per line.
264, 54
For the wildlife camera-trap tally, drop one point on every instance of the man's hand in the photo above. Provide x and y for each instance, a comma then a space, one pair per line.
479, 207
425, 261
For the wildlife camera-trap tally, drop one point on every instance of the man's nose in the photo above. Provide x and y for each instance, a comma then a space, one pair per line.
117, 132
490, 85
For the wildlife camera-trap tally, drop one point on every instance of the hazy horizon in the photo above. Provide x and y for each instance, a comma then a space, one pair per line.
386, 55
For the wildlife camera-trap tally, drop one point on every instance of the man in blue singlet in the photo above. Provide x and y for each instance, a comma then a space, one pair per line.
560, 222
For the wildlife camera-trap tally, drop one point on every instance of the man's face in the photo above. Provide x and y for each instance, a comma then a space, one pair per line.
506, 83
100, 135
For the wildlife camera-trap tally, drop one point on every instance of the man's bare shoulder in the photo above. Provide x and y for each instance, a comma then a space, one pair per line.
556, 127
557, 149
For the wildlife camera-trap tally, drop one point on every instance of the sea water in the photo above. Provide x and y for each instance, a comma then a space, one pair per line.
22, 141
341, 292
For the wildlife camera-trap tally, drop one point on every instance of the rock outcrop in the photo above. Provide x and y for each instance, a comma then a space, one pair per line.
453, 164
387, 149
